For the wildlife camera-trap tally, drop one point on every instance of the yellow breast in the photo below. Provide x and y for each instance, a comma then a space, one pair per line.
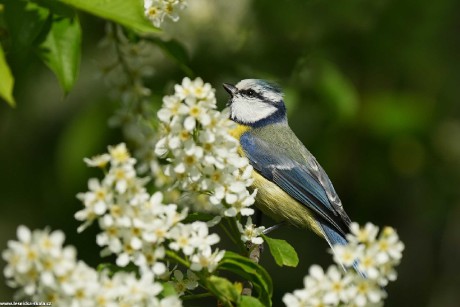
237, 133
278, 205
239, 130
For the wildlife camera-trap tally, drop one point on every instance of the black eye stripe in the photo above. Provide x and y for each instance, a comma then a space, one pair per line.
250, 93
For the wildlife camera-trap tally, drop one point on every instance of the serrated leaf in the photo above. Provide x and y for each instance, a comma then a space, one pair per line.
251, 272
282, 252
249, 301
129, 13
223, 289
6, 80
61, 49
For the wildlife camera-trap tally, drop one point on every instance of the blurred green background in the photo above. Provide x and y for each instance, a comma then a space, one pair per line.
372, 89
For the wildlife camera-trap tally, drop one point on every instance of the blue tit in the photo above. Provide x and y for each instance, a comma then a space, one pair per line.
291, 184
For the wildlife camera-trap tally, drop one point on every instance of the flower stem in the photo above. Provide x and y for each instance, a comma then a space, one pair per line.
175, 257
227, 232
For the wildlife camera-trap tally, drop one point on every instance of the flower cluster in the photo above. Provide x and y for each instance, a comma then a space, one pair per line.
202, 156
157, 10
195, 241
137, 226
251, 233
44, 270
182, 284
374, 258
125, 63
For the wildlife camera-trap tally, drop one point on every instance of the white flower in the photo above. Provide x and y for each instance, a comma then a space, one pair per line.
315, 279
149, 259
190, 238
368, 264
196, 113
299, 298
98, 161
387, 273
346, 255
119, 155
388, 246
365, 235
374, 257
182, 284
153, 12
135, 225
250, 232
202, 156
96, 201
157, 10
195, 89
336, 290
192, 280
43, 269
121, 176
172, 106
201, 238
181, 237
133, 291
170, 301
206, 259
365, 291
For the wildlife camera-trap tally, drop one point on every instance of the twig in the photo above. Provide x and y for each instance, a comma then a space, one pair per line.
255, 251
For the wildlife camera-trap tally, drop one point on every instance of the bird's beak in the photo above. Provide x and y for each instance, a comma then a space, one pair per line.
231, 89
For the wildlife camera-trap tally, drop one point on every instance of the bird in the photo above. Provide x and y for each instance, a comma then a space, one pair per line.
291, 185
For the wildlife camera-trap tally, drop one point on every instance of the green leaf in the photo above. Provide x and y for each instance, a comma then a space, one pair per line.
223, 289
56, 7
249, 301
251, 272
282, 251
176, 52
61, 50
106, 266
25, 22
129, 13
168, 289
6, 80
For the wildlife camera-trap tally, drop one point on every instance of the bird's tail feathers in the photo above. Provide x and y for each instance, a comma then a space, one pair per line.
333, 237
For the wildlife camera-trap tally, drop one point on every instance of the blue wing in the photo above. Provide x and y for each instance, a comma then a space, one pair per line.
308, 184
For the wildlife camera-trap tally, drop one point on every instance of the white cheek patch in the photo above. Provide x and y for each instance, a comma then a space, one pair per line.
273, 96
250, 110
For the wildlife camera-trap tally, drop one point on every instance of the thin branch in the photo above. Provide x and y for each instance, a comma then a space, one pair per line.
173, 256
255, 252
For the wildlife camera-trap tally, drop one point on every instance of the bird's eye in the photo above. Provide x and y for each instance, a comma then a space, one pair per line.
251, 93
